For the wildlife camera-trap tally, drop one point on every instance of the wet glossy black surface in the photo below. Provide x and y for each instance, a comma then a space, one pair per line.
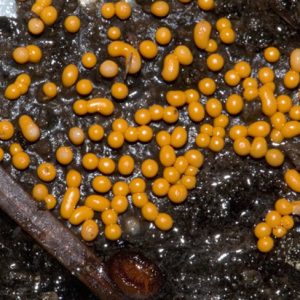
211, 252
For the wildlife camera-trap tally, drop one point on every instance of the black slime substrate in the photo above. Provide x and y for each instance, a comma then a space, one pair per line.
211, 252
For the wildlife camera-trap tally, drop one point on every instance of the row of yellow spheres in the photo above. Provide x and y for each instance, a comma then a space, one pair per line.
258, 130
238, 133
121, 8
277, 222
158, 8
196, 113
167, 141
178, 173
47, 14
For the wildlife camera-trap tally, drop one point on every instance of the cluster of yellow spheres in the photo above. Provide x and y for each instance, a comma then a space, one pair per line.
94, 203
149, 210
40, 193
30, 53
202, 37
181, 55
19, 158
20, 87
258, 147
78, 215
174, 173
179, 172
211, 137
107, 166
46, 15
277, 222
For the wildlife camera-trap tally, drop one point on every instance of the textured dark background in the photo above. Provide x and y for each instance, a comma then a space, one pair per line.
211, 252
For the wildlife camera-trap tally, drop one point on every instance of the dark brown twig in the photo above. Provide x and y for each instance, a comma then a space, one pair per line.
128, 63
56, 239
